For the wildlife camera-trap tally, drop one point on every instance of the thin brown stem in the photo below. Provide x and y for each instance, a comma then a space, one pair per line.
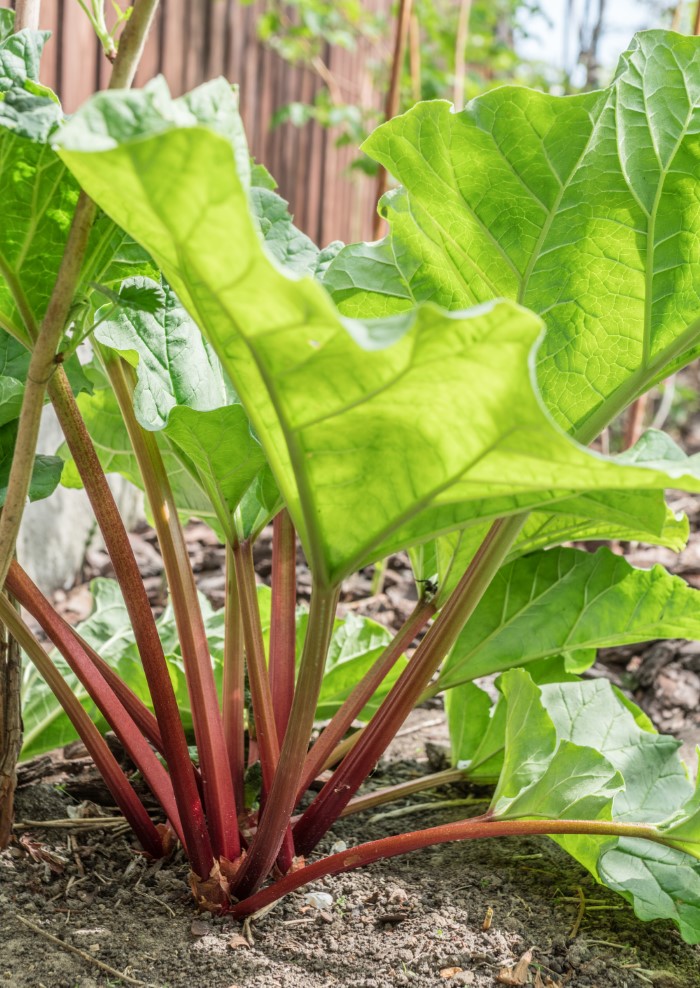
10, 728
391, 105
27, 15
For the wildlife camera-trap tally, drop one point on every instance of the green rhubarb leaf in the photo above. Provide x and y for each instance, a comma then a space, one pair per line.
660, 882
468, 709
20, 55
46, 473
328, 398
39, 196
566, 600
544, 776
478, 728
356, 644
182, 392
583, 208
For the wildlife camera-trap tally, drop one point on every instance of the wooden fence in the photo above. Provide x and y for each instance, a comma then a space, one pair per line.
195, 40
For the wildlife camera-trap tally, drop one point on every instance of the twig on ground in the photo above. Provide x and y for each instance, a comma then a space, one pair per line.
85, 956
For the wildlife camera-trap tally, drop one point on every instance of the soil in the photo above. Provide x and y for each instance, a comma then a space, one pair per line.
483, 914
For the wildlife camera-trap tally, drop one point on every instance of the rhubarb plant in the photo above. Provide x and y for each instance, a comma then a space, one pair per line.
434, 392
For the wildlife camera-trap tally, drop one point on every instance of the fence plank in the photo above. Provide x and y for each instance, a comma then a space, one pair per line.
193, 40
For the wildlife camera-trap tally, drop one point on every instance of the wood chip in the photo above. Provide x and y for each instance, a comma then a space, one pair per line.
449, 972
486, 925
237, 942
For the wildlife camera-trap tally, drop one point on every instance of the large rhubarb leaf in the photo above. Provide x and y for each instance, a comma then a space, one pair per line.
564, 600
660, 882
328, 398
583, 208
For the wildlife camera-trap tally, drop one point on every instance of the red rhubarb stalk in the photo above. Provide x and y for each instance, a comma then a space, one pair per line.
362, 693
478, 828
283, 625
206, 715
136, 601
99, 691
233, 691
118, 784
354, 769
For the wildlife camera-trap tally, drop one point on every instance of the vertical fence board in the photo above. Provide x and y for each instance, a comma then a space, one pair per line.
193, 40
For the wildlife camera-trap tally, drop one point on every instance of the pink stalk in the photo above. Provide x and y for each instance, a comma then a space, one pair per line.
283, 626
233, 691
206, 716
148, 642
363, 693
106, 700
107, 765
478, 828
399, 702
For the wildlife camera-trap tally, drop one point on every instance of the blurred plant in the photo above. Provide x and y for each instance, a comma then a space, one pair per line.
95, 10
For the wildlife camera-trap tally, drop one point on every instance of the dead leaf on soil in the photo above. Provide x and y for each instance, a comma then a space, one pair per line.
449, 972
518, 975
547, 983
41, 853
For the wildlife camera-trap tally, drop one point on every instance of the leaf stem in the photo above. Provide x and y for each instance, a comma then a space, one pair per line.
258, 678
147, 639
233, 690
120, 787
282, 795
363, 692
283, 624
206, 717
399, 702
99, 691
476, 828
403, 789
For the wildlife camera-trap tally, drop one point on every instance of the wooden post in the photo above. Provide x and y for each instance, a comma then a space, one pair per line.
27, 14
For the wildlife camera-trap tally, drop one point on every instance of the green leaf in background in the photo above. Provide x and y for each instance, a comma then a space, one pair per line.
328, 398
183, 393
104, 422
46, 473
356, 643
39, 196
478, 728
660, 882
545, 776
563, 600
583, 208
20, 55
